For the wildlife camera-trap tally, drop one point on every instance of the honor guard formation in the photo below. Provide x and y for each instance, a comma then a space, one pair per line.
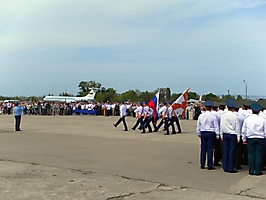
233, 136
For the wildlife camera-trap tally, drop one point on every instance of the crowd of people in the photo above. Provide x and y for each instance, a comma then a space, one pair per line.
100, 108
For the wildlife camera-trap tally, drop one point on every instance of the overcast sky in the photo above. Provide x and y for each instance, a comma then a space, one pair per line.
49, 46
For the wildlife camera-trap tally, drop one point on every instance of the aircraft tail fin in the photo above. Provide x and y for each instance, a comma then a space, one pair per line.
200, 98
92, 93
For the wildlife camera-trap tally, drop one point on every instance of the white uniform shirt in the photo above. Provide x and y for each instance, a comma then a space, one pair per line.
241, 119
229, 124
140, 111
123, 110
218, 116
175, 113
150, 111
262, 114
245, 113
254, 127
162, 111
169, 112
207, 122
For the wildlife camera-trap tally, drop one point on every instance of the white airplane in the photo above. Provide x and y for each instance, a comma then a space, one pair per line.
89, 97
195, 101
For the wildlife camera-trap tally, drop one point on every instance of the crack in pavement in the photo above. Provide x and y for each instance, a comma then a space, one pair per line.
160, 187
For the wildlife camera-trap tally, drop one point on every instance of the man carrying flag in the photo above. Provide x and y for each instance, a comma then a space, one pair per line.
178, 108
153, 104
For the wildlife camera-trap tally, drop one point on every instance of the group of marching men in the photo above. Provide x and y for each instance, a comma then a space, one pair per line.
236, 135
145, 117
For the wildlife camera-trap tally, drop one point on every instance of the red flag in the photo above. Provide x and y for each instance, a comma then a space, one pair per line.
181, 102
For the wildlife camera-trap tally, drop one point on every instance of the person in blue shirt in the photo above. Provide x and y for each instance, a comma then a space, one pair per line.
17, 113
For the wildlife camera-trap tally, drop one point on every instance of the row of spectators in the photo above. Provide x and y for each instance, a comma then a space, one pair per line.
100, 108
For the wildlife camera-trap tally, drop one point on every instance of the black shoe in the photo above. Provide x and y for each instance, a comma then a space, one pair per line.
155, 131
211, 168
234, 171
114, 125
259, 174
202, 167
133, 129
173, 133
179, 132
216, 164
166, 134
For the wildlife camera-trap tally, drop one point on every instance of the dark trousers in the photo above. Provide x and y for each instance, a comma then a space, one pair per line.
165, 122
139, 121
176, 120
239, 154
17, 122
146, 123
245, 154
207, 144
9, 111
217, 151
122, 119
229, 151
255, 154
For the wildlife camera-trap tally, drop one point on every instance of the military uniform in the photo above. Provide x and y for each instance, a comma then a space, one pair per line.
254, 134
208, 131
230, 134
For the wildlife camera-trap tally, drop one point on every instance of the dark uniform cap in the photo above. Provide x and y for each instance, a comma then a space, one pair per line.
216, 103
164, 103
256, 107
122, 101
208, 103
16, 103
262, 103
230, 103
245, 102
238, 104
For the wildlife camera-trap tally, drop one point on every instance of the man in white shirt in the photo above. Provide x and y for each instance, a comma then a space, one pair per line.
217, 144
254, 134
208, 131
148, 112
139, 115
244, 111
163, 113
175, 120
123, 114
230, 135
239, 146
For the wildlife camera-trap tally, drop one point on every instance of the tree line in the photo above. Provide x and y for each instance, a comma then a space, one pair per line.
110, 94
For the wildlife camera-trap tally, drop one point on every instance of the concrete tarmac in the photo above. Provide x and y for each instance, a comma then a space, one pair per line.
85, 157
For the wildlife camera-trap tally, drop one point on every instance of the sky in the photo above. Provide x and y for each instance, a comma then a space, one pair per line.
49, 46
